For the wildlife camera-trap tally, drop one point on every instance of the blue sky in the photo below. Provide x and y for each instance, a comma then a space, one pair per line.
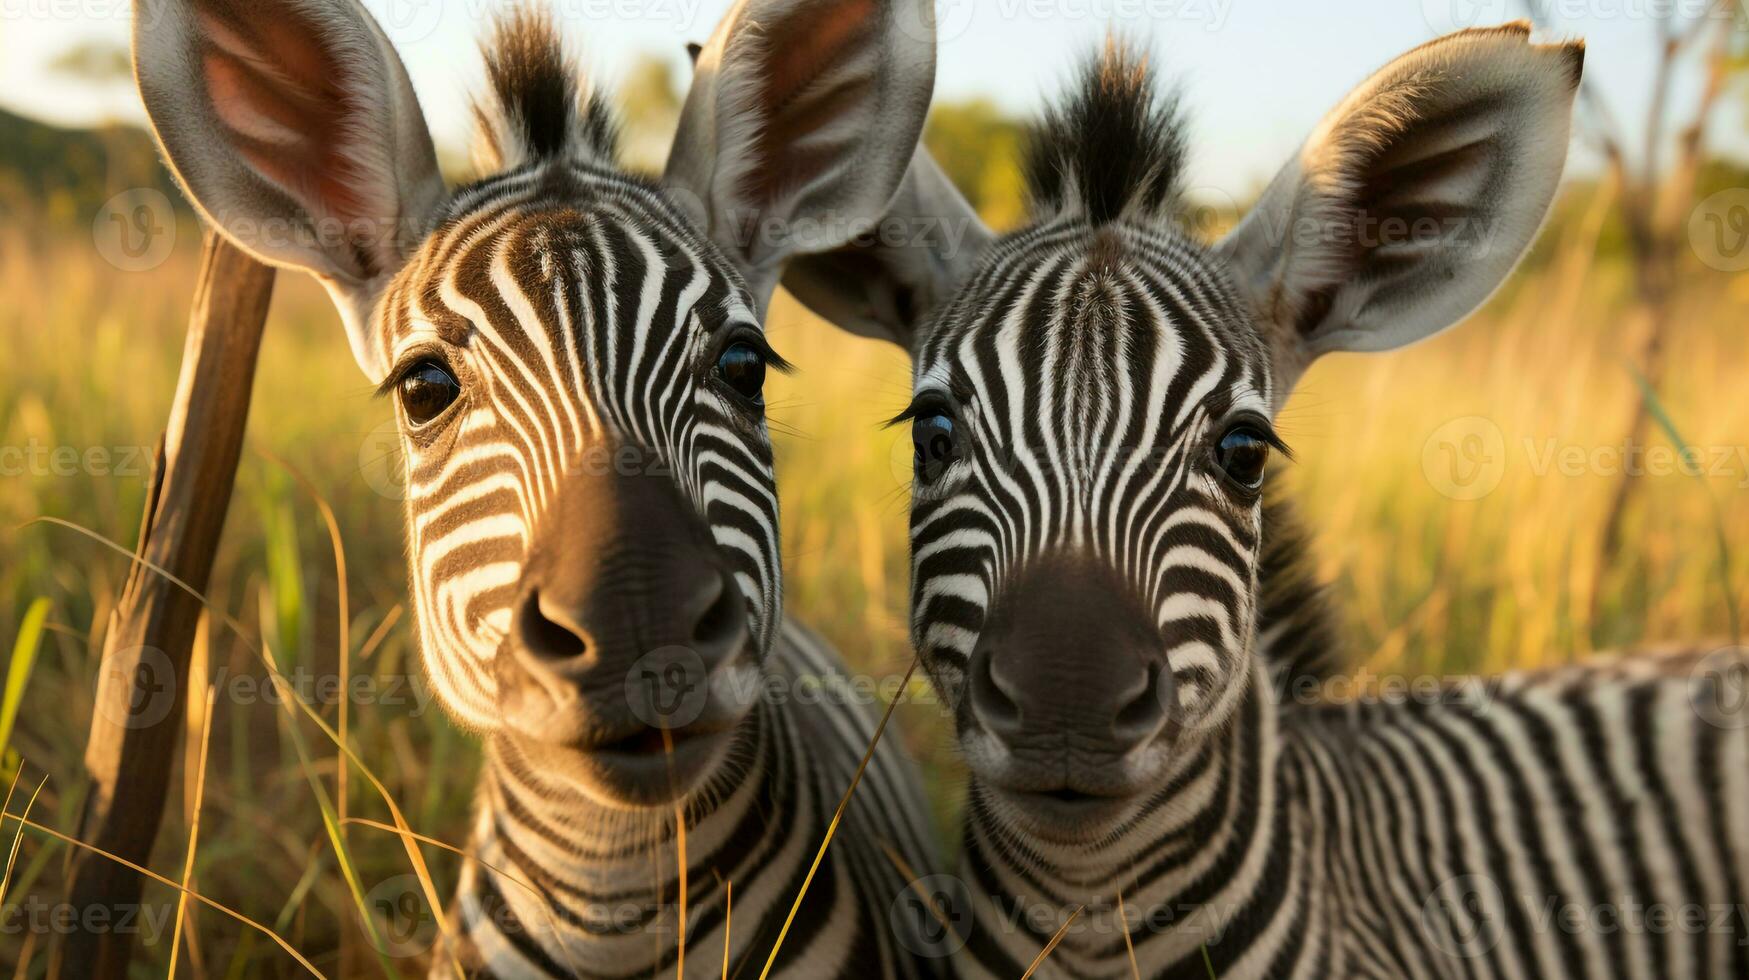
1259, 73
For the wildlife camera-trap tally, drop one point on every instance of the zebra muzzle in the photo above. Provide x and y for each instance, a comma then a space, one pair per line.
625, 639
1068, 691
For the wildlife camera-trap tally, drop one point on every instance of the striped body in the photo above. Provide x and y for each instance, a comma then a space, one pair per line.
1170, 775
1584, 821
605, 889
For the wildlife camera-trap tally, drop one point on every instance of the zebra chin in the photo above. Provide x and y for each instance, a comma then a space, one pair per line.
1062, 793
628, 761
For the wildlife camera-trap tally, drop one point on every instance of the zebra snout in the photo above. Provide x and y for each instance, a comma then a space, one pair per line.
629, 686
625, 618
1068, 674
611, 627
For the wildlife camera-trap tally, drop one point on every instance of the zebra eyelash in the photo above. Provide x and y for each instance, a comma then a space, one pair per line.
741, 334
751, 419
924, 405
414, 357
1260, 424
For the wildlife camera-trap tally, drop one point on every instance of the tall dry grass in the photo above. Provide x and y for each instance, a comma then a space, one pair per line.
1425, 581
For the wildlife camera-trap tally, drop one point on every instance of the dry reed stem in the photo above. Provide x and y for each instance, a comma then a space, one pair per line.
680, 847
832, 828
18, 838
160, 879
728, 922
910, 873
1062, 931
206, 732
289, 699
1128, 945
519, 882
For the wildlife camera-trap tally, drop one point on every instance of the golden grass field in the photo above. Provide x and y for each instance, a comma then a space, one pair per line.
1425, 582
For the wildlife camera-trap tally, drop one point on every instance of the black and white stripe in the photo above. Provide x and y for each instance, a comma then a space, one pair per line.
577, 360
1087, 392
583, 303
580, 302
605, 883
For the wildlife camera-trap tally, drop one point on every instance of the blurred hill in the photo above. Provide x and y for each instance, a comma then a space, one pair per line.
63, 176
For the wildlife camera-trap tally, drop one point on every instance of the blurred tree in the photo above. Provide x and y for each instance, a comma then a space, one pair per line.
1656, 173
65, 175
95, 62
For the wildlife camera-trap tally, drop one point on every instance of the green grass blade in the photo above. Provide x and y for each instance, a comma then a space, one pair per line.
331, 824
24, 650
288, 911
1655, 406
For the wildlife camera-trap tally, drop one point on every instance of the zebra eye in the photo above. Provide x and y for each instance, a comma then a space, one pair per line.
426, 390
742, 367
933, 448
1241, 454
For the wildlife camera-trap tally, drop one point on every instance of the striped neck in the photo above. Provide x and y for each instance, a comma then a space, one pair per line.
585, 889
1191, 865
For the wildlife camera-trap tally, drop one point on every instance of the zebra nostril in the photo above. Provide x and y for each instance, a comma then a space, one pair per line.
992, 705
724, 619
1143, 716
541, 636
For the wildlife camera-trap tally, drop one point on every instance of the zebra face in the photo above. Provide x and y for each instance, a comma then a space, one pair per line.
1094, 395
1091, 423
575, 353
578, 379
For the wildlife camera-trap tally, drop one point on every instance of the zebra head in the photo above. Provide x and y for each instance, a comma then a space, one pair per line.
1094, 394
575, 353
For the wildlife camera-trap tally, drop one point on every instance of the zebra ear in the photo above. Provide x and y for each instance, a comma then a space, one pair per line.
1413, 200
887, 282
800, 121
294, 130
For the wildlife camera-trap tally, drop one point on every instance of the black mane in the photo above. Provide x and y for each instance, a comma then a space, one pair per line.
535, 84
1116, 144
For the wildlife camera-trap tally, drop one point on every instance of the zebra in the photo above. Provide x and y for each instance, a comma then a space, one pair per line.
576, 359
1122, 619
